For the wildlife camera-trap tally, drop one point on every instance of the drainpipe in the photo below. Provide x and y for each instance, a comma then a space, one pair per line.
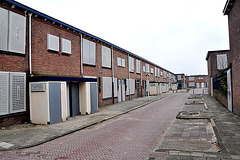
81, 50
30, 43
141, 76
129, 78
112, 76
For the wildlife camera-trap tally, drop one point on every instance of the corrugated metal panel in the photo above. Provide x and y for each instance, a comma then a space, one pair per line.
4, 93
107, 87
52, 43
17, 92
17, 33
66, 46
106, 57
3, 29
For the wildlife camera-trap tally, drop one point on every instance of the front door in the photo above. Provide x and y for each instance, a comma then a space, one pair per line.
138, 89
229, 90
123, 91
119, 91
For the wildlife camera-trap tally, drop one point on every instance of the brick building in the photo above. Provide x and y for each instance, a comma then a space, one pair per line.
50, 70
196, 81
180, 78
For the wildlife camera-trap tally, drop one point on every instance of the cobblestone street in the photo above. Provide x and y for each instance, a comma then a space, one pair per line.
131, 136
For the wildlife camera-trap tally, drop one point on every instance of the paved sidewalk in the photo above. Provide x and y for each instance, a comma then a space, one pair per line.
29, 135
222, 142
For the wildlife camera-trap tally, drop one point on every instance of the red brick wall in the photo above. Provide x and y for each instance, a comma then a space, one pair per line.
234, 35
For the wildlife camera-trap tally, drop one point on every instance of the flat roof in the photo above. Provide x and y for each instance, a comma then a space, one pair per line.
216, 51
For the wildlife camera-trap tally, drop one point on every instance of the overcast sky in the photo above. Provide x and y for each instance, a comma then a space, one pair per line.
175, 34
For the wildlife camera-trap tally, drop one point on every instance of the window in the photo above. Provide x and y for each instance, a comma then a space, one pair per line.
161, 73
12, 32
147, 68
131, 64
131, 87
52, 43
123, 62
191, 84
119, 61
144, 69
164, 74
200, 78
221, 61
106, 57
89, 52
66, 46
152, 71
138, 66
179, 77
107, 87
158, 72
191, 78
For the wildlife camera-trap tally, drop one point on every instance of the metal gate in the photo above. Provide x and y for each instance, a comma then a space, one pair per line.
229, 90
138, 89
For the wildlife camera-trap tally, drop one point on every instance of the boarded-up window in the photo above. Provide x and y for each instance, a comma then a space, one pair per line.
89, 52
147, 68
123, 62
130, 85
119, 61
158, 72
138, 66
164, 74
191, 78
179, 77
152, 71
221, 61
12, 32
191, 84
66, 46
131, 64
107, 87
144, 69
106, 57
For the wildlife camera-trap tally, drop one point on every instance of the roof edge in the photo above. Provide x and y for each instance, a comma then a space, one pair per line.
215, 51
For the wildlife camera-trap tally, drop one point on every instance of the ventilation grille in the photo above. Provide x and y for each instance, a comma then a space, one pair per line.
17, 94
3, 29
17, 33
4, 91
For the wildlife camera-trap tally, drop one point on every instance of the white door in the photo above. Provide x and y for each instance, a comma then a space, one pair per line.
119, 91
123, 91
229, 90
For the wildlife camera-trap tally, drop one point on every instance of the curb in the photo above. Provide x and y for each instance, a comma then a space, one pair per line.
86, 126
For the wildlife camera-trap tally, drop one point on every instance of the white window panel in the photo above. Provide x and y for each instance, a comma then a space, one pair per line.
89, 52
161, 73
3, 29
152, 70
119, 61
52, 43
128, 84
17, 92
106, 57
164, 74
123, 62
132, 69
179, 77
107, 87
115, 88
191, 84
4, 93
17, 33
138, 66
221, 61
132, 86
66, 46
158, 72
191, 78
144, 69
147, 68
131, 64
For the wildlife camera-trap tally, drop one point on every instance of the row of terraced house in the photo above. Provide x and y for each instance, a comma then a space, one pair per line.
50, 70
223, 65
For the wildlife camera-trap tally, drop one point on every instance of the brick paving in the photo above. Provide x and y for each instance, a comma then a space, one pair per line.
130, 136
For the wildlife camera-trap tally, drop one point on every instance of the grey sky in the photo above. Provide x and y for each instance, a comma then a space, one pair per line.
174, 34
